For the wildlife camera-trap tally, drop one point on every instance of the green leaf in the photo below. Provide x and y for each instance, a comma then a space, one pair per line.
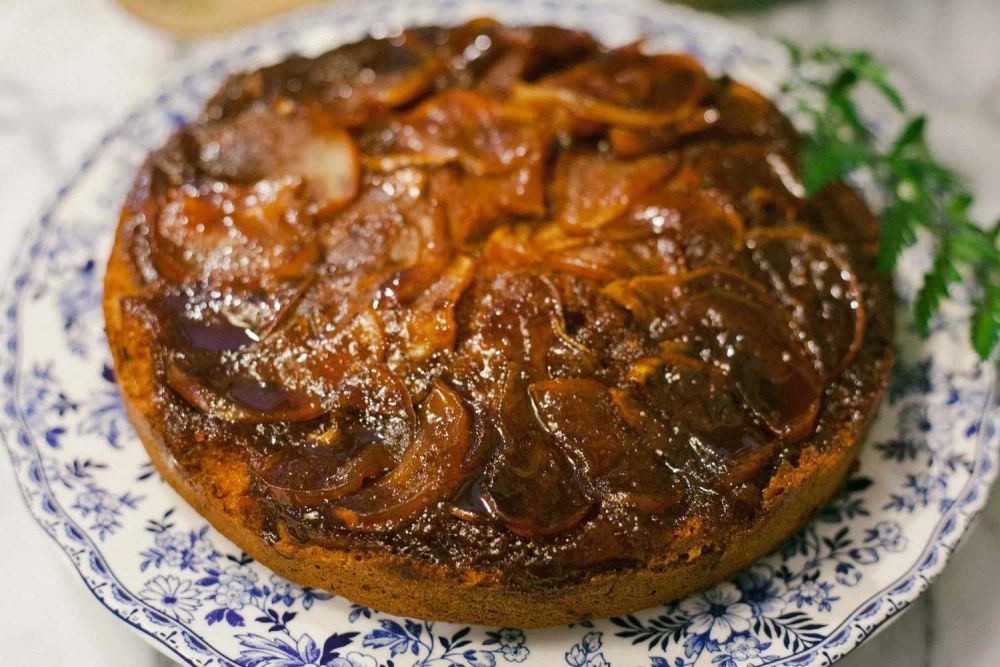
897, 232
876, 73
843, 105
826, 160
935, 288
986, 322
912, 136
959, 204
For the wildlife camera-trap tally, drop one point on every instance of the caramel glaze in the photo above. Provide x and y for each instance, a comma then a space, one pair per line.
498, 297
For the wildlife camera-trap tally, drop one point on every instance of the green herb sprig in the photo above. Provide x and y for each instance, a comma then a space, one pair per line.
919, 193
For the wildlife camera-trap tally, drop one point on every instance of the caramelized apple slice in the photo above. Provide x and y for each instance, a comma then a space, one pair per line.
608, 260
349, 82
817, 284
582, 419
591, 189
729, 112
844, 217
379, 405
496, 157
647, 296
304, 476
702, 229
730, 323
474, 204
532, 486
743, 113
428, 472
233, 235
688, 410
330, 165
261, 144
760, 180
623, 87
518, 319
664, 231
244, 400
207, 320
461, 126
389, 228
491, 57
431, 318
762, 355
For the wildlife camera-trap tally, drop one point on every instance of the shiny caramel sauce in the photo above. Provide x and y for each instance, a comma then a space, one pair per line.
496, 295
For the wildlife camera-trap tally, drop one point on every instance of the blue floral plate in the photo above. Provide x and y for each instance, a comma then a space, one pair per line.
156, 564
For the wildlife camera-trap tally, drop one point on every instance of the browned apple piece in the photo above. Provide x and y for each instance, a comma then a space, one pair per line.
208, 320
664, 231
262, 144
759, 179
388, 228
743, 113
330, 165
623, 87
646, 297
460, 126
244, 400
289, 377
590, 189
729, 112
689, 411
727, 321
582, 419
488, 56
702, 229
518, 317
644, 483
763, 356
512, 245
378, 404
818, 286
429, 470
306, 476
698, 395
844, 217
476, 204
233, 235
431, 318
532, 486
349, 82
496, 156
608, 260
630, 142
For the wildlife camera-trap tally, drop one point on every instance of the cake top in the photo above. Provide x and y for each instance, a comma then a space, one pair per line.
494, 281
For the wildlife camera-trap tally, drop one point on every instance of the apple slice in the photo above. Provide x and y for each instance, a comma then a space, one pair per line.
818, 286
429, 470
729, 321
533, 487
583, 420
623, 87
309, 476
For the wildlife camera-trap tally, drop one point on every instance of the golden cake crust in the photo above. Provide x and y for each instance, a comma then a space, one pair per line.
217, 481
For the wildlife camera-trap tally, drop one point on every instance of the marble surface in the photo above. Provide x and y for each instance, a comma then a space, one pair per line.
71, 69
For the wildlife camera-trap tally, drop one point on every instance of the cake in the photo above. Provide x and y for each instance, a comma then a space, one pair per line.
496, 325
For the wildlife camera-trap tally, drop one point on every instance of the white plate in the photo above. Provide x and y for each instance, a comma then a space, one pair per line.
156, 564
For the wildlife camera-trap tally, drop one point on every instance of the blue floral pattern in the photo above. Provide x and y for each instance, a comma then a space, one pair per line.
155, 563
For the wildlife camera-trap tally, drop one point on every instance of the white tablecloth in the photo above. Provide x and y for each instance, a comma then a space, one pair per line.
69, 70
